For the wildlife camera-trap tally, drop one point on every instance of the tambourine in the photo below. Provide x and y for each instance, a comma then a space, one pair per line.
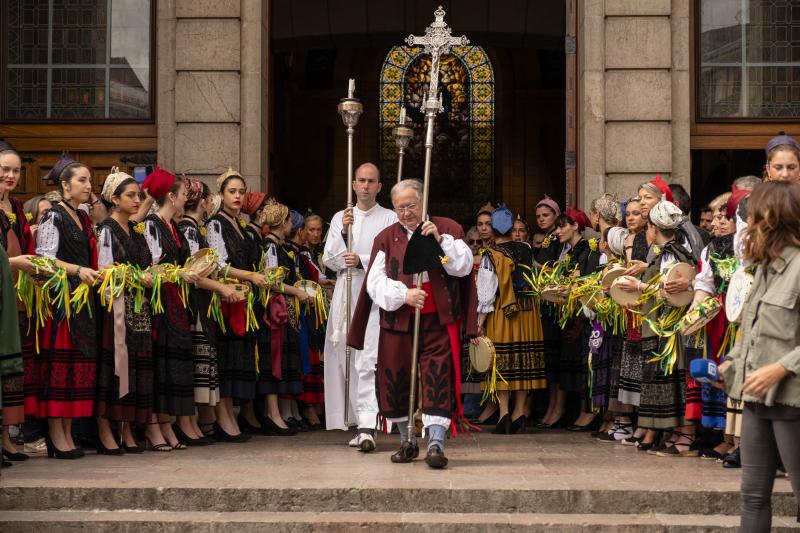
276, 274
203, 263
241, 288
611, 273
44, 271
738, 289
679, 299
310, 287
555, 294
701, 315
481, 355
623, 297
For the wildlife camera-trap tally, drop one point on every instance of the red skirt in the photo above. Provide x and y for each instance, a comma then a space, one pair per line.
60, 379
313, 382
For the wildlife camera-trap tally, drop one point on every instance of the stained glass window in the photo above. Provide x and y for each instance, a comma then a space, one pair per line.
78, 59
462, 170
749, 59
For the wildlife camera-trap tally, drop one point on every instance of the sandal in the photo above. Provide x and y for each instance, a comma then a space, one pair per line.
673, 451
733, 459
163, 447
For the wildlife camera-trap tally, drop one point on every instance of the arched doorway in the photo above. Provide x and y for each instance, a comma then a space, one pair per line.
462, 171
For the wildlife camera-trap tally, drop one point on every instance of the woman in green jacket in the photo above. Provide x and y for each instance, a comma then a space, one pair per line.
763, 370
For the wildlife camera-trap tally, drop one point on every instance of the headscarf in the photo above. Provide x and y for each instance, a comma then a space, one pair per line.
502, 220
274, 213
6, 146
579, 217
616, 239
214, 203
194, 190
780, 139
55, 174
666, 215
252, 202
608, 208
224, 176
736, 197
549, 202
660, 188
297, 220
113, 182
158, 183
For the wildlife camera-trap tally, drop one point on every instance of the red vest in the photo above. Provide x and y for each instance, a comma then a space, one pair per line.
456, 298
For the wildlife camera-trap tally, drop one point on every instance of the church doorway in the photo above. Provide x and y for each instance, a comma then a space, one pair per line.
500, 138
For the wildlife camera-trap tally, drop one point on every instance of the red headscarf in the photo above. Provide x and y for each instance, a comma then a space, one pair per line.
737, 195
158, 183
252, 201
579, 217
661, 185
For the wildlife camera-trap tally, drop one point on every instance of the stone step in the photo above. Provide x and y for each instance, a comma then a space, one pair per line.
332, 500
300, 522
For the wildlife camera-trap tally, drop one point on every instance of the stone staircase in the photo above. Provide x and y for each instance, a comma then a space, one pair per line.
112, 510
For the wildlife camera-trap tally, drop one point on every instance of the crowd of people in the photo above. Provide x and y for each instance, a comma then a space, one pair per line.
170, 314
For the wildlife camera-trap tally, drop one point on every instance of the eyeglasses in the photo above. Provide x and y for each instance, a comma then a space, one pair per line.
474, 241
405, 209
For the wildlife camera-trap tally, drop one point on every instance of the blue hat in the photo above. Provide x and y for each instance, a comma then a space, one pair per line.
297, 220
502, 220
780, 140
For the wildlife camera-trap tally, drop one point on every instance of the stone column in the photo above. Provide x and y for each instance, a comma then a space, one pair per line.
210, 105
635, 104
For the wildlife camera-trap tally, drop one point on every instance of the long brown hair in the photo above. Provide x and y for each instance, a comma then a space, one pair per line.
773, 221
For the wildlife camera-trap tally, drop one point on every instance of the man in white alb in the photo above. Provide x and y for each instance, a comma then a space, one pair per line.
368, 219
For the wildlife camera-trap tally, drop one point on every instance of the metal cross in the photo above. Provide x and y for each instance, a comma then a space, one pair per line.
437, 42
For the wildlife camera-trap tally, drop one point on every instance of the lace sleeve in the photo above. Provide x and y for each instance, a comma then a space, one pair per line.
487, 284
704, 281
217, 241
105, 253
153, 241
271, 254
47, 236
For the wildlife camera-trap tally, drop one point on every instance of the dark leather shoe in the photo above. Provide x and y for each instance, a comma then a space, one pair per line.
407, 453
435, 457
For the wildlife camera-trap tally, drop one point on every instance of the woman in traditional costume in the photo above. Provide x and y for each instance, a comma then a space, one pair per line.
547, 211
62, 375
509, 314
172, 340
125, 354
17, 241
236, 342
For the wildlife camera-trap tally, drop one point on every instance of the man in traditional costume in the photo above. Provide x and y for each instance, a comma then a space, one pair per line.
368, 220
447, 297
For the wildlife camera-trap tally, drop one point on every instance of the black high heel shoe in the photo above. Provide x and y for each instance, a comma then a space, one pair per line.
52, 451
221, 436
518, 425
503, 426
102, 450
489, 420
275, 429
187, 440
15, 456
247, 427
555, 425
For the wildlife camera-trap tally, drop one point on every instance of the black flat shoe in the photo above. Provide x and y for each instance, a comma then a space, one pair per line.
518, 425
15, 456
52, 451
221, 436
271, 428
733, 459
435, 457
503, 427
102, 450
407, 453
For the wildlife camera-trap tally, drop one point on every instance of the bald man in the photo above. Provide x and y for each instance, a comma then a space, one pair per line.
368, 219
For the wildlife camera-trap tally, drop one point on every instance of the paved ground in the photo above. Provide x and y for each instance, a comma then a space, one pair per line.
322, 460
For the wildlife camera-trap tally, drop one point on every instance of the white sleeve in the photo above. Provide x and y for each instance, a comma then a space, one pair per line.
487, 284
105, 254
460, 256
388, 294
335, 246
705, 278
47, 238
271, 255
152, 238
217, 242
603, 259
190, 234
